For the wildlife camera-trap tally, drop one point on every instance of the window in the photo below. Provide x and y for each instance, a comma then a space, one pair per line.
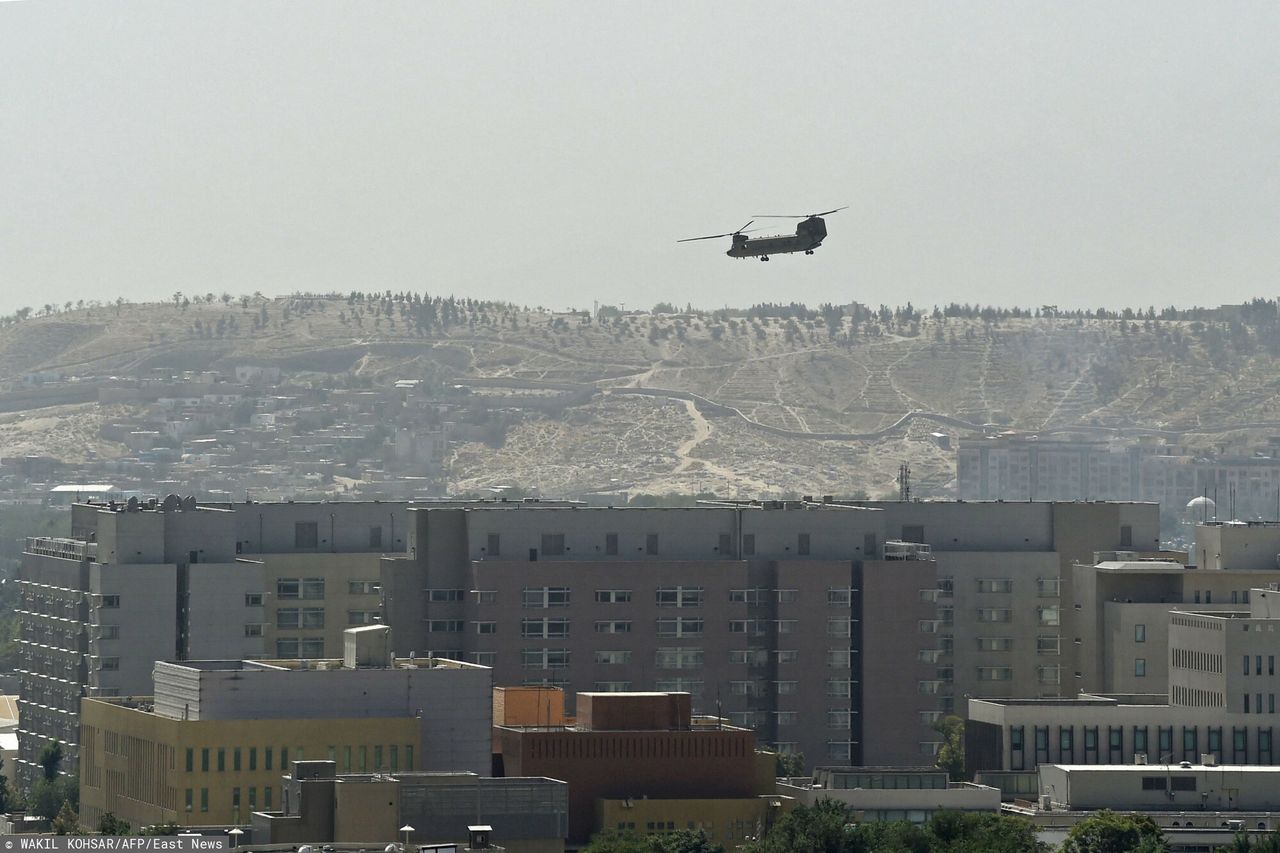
286, 647
839, 687
995, 673
786, 718
446, 626
253, 599
204, 799
545, 596
1154, 783
691, 686
204, 760
946, 587
313, 588
995, 585
305, 534
484, 658
651, 544
544, 628
615, 627
677, 658
995, 644
445, 595
1140, 667
613, 596
253, 758
995, 614
839, 658
493, 545
222, 759
485, 596
188, 799
365, 588
787, 655
612, 686
313, 617
553, 544
1048, 615
311, 648
788, 596
110, 602
744, 596
1048, 587
288, 588
680, 626
486, 627
839, 628
1139, 633
839, 596
679, 596
375, 537
235, 759
611, 544
750, 627
363, 617
788, 626
610, 658
545, 658
1182, 783
287, 617
1048, 644
839, 719
802, 544
785, 688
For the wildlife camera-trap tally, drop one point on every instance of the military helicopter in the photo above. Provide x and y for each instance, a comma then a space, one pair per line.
809, 235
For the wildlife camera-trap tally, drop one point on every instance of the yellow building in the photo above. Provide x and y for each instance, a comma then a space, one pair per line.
150, 769
310, 599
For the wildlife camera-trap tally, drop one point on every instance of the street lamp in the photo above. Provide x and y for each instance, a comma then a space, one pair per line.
406, 829
235, 834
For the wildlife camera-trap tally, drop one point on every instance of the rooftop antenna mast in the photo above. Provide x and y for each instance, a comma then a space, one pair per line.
904, 482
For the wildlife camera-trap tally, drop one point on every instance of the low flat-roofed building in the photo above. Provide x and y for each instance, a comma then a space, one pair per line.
730, 821
913, 794
319, 805
1180, 786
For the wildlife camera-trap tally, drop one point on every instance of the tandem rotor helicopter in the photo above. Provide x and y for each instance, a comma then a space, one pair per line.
809, 235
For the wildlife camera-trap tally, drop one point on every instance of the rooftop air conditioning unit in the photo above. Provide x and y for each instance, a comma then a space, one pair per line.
1046, 803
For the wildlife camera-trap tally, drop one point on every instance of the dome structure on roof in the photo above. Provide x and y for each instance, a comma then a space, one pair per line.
1202, 503
1201, 509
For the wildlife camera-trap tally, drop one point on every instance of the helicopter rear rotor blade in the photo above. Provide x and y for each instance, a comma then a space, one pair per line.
798, 216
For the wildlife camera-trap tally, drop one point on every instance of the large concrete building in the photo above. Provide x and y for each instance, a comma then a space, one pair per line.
138, 582
797, 619
1221, 702
212, 743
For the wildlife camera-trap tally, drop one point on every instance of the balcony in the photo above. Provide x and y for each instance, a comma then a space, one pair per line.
66, 549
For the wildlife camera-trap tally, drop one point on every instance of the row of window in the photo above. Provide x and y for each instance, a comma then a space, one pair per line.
667, 627
678, 596
306, 534
1045, 587
1113, 750
553, 545
252, 791
353, 759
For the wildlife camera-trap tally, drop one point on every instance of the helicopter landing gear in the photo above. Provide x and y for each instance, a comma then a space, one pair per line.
764, 257
808, 251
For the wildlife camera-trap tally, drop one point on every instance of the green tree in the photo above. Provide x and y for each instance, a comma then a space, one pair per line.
682, 841
51, 758
789, 764
1108, 832
48, 795
109, 824
825, 827
67, 822
951, 753
973, 832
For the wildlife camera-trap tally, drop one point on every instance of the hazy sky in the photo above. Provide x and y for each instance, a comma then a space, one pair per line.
1082, 153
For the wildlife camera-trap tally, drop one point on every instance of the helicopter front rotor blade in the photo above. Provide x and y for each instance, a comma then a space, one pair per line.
708, 237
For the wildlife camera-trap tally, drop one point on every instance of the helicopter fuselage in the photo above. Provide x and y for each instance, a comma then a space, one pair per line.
809, 236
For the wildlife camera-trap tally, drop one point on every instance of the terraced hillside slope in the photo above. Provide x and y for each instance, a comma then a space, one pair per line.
735, 402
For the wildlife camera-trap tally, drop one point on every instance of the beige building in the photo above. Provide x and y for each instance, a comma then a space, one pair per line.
210, 745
